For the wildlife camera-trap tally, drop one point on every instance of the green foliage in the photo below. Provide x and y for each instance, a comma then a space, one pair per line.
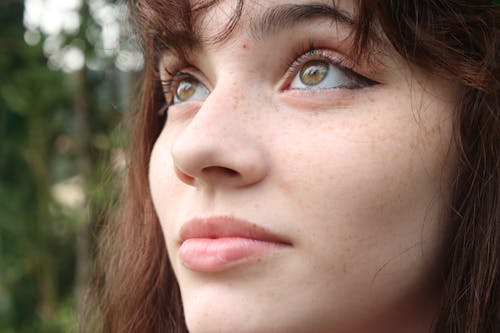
58, 133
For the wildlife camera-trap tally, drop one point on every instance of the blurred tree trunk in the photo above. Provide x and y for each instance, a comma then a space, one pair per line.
40, 252
82, 139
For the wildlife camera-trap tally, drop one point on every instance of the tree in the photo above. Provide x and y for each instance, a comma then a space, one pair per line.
58, 132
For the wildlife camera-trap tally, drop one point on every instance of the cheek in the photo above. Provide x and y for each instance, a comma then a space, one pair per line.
366, 199
331, 167
369, 189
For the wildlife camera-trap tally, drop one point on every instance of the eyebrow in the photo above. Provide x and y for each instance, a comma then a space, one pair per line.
281, 17
276, 19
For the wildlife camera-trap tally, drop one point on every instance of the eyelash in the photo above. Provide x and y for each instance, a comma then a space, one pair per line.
308, 53
296, 61
175, 77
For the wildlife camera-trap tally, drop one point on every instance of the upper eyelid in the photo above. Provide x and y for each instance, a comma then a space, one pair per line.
169, 72
174, 70
339, 61
171, 66
173, 78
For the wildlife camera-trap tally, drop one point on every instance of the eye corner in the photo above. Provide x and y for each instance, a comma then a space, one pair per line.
363, 81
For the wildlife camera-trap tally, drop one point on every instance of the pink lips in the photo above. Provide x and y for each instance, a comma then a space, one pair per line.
218, 243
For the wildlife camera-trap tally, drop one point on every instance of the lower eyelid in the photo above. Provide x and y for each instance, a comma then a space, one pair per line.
318, 100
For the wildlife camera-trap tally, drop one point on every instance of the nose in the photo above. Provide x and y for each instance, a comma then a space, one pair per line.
220, 146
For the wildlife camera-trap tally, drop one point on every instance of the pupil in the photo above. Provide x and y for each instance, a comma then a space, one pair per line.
186, 89
313, 72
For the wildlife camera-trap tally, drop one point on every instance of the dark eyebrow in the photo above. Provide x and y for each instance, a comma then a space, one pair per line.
271, 21
278, 18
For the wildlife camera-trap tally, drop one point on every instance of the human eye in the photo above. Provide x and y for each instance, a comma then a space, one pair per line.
184, 87
319, 69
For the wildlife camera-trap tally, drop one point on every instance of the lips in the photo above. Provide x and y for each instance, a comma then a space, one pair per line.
219, 243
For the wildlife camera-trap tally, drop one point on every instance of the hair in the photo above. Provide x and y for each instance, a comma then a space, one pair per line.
135, 289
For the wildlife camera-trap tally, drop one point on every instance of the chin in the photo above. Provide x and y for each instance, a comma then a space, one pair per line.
215, 310
212, 310
235, 313
221, 318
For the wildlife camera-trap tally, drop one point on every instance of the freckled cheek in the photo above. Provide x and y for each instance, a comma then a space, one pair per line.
339, 171
351, 193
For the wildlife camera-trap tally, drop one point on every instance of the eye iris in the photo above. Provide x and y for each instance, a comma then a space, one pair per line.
313, 72
186, 89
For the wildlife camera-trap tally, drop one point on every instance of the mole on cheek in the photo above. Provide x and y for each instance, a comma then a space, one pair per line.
245, 46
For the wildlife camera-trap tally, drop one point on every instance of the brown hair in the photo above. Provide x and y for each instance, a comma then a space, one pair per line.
459, 40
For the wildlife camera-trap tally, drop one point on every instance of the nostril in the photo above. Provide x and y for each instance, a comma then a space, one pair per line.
221, 171
184, 177
230, 172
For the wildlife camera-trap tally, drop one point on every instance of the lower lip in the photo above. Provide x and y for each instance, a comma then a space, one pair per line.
215, 255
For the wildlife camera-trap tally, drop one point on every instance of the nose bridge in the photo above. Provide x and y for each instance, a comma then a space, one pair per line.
223, 110
222, 118
219, 145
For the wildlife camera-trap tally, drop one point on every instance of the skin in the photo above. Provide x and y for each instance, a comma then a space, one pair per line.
358, 180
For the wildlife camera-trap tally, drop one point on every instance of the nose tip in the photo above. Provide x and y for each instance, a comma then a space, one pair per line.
213, 162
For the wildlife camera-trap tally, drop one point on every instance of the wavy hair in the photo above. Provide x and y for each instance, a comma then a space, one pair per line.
135, 289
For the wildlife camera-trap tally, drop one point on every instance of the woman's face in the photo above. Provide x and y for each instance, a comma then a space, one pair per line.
298, 191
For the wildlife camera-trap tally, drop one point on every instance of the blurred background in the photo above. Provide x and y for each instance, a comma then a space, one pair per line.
69, 72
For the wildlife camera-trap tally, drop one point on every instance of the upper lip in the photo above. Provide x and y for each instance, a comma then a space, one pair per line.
227, 226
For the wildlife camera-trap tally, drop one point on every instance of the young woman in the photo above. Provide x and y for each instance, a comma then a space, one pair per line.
311, 166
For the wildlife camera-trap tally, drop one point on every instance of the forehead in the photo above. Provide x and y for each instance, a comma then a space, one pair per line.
256, 15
